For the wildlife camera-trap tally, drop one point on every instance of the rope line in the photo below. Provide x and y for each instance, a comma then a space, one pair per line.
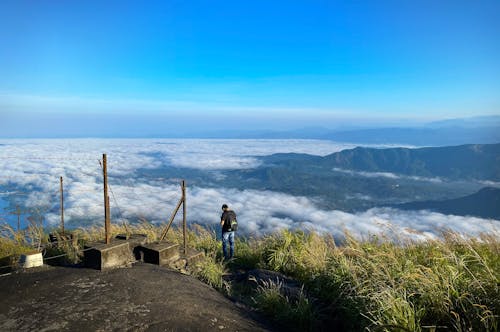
46, 158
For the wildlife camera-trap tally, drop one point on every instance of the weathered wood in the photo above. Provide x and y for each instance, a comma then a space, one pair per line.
62, 204
184, 226
165, 231
107, 222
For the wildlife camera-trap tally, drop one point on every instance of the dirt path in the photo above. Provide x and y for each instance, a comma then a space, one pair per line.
141, 298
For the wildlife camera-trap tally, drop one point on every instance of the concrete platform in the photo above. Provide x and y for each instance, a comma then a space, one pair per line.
159, 253
119, 252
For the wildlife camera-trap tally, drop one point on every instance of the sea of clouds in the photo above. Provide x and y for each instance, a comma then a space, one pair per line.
33, 168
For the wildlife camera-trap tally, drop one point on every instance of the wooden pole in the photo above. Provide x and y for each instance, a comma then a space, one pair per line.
107, 223
108, 214
18, 212
184, 226
62, 204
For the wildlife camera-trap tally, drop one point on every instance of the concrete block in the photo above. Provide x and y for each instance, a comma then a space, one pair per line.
31, 260
160, 253
104, 256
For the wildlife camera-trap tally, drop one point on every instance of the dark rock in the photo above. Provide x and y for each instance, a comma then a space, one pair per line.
141, 298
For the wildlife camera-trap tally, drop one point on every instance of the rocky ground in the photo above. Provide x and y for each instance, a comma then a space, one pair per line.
139, 298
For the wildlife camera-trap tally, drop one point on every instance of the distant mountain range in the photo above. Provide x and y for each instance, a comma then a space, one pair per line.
419, 136
464, 162
480, 130
484, 204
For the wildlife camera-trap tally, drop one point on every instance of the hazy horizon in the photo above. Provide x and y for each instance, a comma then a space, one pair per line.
139, 126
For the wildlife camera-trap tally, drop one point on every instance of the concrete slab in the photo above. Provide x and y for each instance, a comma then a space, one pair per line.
159, 253
119, 252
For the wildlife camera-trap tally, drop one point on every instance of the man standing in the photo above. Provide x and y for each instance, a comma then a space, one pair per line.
229, 225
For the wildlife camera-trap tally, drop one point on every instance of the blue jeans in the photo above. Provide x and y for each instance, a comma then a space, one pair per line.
228, 237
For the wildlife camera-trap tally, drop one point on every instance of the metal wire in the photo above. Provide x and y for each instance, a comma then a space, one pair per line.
46, 158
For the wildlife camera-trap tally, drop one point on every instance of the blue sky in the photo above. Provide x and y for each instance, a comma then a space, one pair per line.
255, 65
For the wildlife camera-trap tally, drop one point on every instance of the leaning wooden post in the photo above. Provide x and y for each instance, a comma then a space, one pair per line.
62, 204
107, 225
184, 227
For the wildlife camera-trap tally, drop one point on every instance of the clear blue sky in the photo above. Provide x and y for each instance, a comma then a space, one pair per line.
254, 64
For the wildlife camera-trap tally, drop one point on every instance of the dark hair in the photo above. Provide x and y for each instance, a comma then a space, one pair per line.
224, 206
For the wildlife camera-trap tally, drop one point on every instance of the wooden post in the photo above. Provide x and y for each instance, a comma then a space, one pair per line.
184, 227
62, 204
18, 212
107, 224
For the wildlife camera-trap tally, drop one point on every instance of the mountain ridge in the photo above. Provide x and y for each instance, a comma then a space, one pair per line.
484, 204
470, 161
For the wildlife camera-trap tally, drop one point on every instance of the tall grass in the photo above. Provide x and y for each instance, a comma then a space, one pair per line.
451, 283
382, 286
210, 270
291, 313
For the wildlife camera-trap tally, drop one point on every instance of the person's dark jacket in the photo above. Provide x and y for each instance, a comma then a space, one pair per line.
227, 216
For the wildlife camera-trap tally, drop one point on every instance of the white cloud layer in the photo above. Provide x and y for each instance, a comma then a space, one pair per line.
36, 165
388, 175
261, 212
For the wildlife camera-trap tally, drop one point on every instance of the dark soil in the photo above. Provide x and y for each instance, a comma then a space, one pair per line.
139, 298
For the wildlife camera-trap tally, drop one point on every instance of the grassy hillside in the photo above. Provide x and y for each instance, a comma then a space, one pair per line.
377, 284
